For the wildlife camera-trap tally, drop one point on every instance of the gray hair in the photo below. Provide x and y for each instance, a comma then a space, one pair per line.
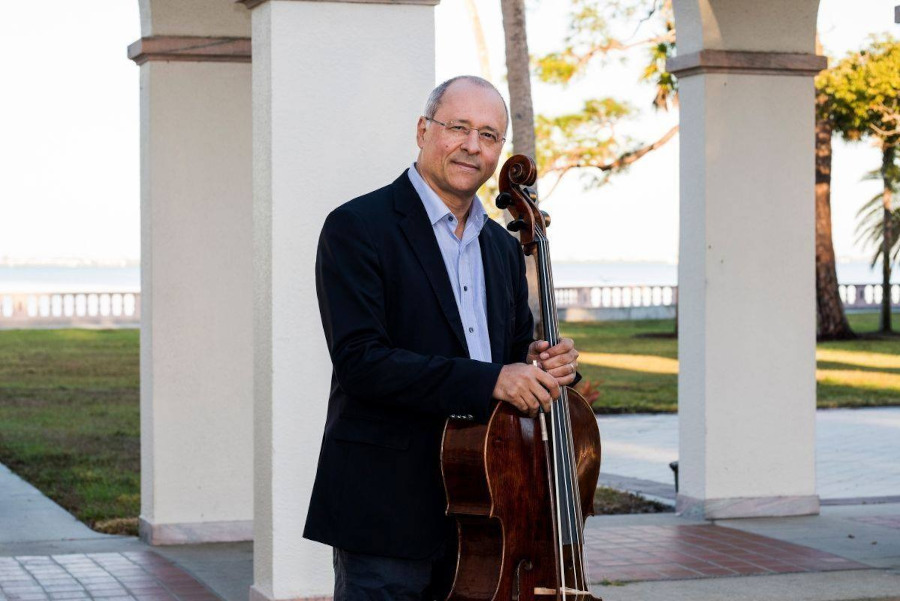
434, 99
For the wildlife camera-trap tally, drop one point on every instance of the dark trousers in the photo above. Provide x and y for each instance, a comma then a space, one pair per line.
359, 577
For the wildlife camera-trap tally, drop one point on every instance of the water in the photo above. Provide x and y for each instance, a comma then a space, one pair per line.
70, 279
128, 279
666, 274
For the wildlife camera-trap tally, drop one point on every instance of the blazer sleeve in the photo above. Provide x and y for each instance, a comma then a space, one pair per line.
350, 291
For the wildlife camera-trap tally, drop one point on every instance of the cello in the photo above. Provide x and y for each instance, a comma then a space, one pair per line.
519, 487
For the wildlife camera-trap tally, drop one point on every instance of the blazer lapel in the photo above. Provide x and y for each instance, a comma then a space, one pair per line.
497, 295
419, 233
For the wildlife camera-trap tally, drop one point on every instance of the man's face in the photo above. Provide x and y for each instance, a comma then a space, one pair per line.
458, 167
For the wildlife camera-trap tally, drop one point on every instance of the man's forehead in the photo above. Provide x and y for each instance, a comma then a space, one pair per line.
471, 104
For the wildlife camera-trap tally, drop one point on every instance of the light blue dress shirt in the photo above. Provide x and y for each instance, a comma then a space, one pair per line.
463, 261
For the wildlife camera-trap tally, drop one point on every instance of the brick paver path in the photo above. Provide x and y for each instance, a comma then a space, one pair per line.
136, 576
697, 551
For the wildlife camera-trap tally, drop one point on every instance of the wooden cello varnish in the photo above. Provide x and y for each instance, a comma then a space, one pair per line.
520, 502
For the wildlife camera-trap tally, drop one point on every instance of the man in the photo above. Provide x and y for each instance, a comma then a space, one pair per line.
425, 308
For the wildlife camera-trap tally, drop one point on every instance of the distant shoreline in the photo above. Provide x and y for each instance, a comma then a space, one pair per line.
127, 278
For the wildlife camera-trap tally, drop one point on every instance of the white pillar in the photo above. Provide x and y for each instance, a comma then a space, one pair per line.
196, 274
337, 88
747, 320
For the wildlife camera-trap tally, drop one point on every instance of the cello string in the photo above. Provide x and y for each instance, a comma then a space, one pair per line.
576, 489
573, 468
555, 442
573, 492
562, 424
565, 454
558, 449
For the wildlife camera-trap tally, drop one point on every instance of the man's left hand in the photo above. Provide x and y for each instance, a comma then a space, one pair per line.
560, 361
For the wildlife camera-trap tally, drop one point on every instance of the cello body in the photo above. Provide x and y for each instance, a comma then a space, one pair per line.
498, 492
522, 487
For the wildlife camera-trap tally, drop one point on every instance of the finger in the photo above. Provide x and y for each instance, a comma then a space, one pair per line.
540, 345
563, 371
563, 346
536, 348
521, 405
566, 380
549, 383
560, 360
542, 396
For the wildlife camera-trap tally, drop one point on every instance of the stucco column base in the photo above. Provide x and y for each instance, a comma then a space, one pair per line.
746, 507
195, 532
258, 594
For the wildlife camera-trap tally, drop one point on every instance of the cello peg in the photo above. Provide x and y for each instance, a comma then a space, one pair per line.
515, 225
546, 218
503, 200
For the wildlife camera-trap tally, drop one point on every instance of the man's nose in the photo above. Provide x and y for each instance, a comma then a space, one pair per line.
471, 143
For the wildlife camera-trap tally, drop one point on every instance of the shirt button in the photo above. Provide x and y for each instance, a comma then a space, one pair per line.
449, 217
471, 330
465, 288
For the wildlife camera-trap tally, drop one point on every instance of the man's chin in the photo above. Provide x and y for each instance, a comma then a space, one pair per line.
468, 186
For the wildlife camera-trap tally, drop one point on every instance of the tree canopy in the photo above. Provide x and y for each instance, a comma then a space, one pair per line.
863, 92
599, 31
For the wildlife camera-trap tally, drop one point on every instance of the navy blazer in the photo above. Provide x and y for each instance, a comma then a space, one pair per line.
400, 368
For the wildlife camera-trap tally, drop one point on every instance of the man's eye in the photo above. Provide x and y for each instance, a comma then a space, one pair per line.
488, 136
460, 129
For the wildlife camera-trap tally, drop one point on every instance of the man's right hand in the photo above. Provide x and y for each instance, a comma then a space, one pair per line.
526, 387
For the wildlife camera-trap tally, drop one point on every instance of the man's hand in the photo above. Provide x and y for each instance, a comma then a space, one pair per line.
561, 361
526, 387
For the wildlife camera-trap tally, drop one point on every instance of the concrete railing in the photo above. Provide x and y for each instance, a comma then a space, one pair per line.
587, 303
575, 303
866, 297
75, 309
599, 303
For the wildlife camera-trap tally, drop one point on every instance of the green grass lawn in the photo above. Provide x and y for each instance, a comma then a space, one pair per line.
69, 416
69, 419
634, 365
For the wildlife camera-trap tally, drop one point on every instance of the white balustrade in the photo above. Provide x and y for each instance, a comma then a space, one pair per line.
25, 309
854, 296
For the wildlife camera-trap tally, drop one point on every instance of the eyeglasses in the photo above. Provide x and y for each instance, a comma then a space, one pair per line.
457, 131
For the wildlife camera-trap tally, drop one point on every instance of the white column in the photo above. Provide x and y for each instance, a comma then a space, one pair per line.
197, 303
747, 320
337, 88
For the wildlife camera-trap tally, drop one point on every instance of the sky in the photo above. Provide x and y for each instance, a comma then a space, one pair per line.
69, 133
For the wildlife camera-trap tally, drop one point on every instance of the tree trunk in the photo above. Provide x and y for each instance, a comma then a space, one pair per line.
830, 315
521, 115
887, 243
518, 76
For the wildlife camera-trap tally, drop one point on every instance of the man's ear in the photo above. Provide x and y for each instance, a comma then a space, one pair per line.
420, 132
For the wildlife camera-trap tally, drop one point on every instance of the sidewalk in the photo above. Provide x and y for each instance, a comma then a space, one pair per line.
849, 552
857, 454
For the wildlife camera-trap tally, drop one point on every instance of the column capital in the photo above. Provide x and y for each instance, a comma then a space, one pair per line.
190, 48
740, 61
255, 3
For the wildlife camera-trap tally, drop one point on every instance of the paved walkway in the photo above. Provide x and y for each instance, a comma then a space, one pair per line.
857, 453
849, 552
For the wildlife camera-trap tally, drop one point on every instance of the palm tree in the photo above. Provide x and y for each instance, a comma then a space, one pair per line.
863, 93
879, 226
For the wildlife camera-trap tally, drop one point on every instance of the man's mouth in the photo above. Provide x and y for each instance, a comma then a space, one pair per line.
466, 165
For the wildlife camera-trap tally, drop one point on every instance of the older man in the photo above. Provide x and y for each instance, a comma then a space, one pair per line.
425, 309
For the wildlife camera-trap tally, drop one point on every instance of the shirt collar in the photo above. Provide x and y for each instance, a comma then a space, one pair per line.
436, 208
